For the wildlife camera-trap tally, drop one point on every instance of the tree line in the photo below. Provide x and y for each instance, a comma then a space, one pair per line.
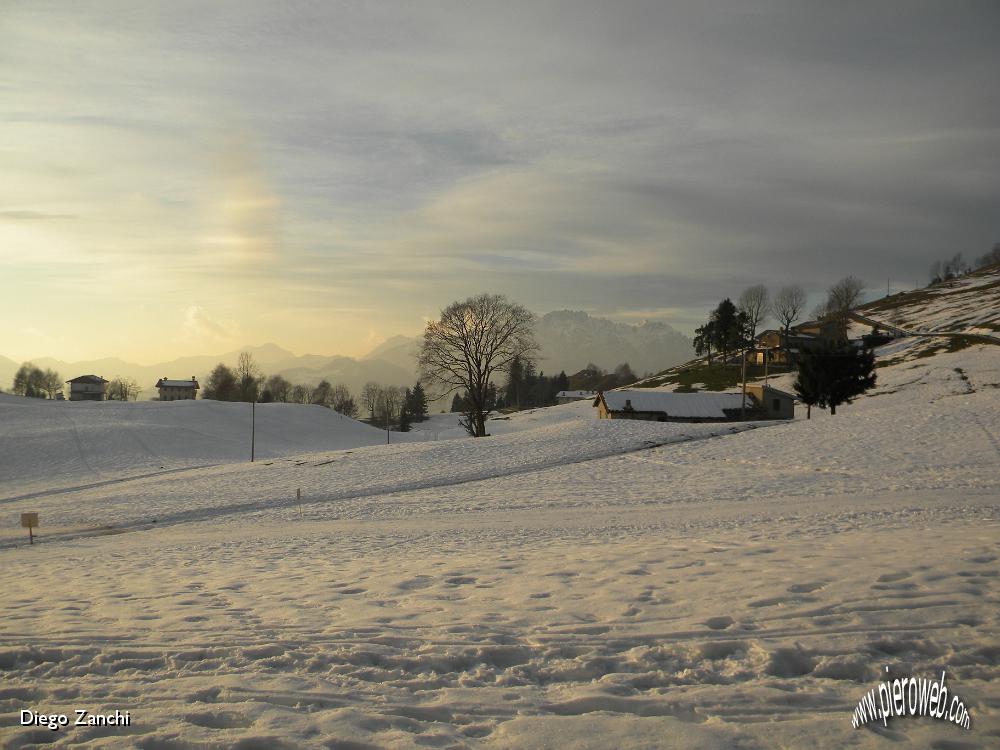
956, 265
526, 388
385, 405
34, 382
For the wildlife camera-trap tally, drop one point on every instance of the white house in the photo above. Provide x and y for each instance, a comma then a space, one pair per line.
177, 390
87, 388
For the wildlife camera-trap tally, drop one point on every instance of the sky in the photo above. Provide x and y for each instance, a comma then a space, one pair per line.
185, 178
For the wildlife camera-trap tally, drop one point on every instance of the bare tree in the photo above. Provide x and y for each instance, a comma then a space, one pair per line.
843, 297
122, 389
390, 399
369, 397
472, 341
788, 305
248, 377
51, 382
754, 302
300, 394
342, 402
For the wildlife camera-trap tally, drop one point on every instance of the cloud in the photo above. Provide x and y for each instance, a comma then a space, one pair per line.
198, 324
320, 173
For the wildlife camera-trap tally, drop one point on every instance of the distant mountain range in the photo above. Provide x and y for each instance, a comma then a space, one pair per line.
570, 340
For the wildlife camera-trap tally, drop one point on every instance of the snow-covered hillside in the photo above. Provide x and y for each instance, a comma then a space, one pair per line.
968, 304
46, 444
567, 582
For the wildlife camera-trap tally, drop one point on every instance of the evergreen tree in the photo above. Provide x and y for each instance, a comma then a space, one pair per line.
416, 403
562, 382
833, 374
729, 329
404, 419
515, 382
704, 340
457, 403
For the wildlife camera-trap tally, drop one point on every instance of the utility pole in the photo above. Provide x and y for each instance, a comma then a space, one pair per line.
743, 403
253, 427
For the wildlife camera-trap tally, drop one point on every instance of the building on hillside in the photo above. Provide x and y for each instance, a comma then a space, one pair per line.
771, 402
827, 328
779, 349
87, 388
177, 390
704, 406
566, 397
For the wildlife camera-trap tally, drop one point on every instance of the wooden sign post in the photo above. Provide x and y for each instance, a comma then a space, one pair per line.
29, 521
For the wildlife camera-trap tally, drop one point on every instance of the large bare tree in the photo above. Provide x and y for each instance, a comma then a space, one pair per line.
370, 396
754, 303
788, 305
471, 342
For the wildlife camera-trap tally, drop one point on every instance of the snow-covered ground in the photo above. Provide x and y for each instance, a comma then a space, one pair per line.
968, 304
567, 582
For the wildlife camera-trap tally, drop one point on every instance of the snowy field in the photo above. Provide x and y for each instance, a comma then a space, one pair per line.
565, 583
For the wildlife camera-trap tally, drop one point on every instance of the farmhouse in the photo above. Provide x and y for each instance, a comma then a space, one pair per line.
87, 388
565, 397
177, 390
763, 402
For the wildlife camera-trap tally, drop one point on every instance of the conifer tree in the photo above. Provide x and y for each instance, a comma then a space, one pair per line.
833, 374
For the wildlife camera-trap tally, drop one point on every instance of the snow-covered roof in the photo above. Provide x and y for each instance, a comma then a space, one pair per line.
685, 405
164, 383
576, 394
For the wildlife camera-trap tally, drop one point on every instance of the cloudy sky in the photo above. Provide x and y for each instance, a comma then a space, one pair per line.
188, 177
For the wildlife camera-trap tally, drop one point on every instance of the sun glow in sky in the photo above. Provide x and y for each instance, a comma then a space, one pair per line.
186, 178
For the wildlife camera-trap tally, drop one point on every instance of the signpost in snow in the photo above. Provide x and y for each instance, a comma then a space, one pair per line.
29, 521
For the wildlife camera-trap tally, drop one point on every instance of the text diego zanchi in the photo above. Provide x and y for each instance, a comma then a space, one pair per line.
82, 717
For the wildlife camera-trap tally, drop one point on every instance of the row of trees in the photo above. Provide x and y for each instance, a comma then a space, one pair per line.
247, 383
34, 382
956, 265
385, 405
526, 389
389, 405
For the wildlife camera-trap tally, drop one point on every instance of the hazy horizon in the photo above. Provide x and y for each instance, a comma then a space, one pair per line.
180, 179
